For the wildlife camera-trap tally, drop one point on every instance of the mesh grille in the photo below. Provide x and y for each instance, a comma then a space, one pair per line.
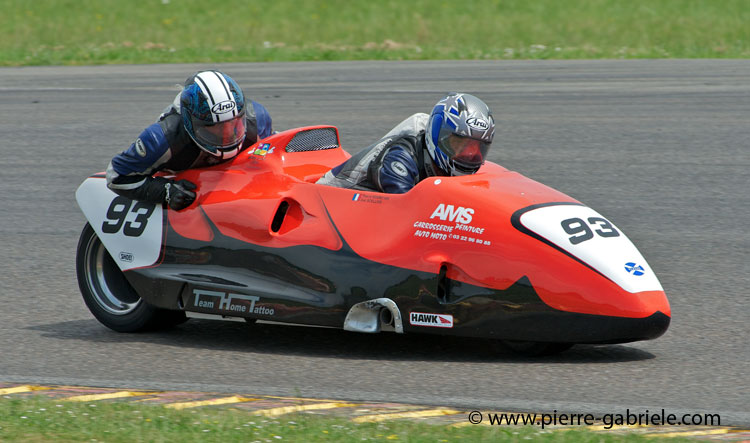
313, 140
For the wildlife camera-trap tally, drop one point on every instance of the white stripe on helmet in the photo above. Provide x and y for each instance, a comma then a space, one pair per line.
216, 89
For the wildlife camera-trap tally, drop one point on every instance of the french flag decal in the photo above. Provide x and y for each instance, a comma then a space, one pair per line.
356, 197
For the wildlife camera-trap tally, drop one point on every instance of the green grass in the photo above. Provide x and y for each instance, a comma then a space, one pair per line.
44, 32
38, 419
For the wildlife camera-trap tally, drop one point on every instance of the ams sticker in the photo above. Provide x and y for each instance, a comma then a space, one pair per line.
460, 217
450, 213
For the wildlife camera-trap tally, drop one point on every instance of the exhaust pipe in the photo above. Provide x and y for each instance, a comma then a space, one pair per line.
371, 315
386, 317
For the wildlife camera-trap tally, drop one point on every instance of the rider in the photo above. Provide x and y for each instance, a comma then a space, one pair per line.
209, 122
456, 137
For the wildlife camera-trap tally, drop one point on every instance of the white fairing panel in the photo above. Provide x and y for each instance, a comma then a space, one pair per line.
592, 239
130, 230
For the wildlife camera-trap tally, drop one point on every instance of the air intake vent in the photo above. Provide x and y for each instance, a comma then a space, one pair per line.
314, 140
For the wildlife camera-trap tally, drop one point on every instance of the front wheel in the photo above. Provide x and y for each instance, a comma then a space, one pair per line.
108, 294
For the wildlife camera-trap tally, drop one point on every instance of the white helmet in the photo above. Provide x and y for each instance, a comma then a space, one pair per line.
213, 113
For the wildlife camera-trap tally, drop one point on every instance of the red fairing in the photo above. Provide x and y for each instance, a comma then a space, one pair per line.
463, 223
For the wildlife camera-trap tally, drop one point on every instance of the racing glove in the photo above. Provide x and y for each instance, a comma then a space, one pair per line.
179, 194
157, 190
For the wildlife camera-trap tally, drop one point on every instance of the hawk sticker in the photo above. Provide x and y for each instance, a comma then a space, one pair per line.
430, 320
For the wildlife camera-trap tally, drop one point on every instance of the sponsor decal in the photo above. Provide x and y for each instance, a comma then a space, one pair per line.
126, 256
477, 123
399, 169
430, 320
468, 228
460, 216
140, 148
231, 303
450, 213
369, 198
262, 150
634, 269
224, 107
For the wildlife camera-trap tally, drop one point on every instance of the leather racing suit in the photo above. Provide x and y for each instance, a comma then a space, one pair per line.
166, 146
394, 164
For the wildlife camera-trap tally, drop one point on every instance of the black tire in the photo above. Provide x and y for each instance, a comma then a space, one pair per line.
535, 349
108, 294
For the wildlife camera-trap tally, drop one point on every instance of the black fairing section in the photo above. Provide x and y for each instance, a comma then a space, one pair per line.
317, 286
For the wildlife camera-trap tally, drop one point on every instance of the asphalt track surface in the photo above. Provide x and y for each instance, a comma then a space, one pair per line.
662, 148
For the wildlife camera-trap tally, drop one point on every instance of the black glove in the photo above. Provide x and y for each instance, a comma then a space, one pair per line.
157, 190
179, 194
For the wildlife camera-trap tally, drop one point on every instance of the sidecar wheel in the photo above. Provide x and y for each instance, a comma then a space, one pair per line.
109, 296
535, 349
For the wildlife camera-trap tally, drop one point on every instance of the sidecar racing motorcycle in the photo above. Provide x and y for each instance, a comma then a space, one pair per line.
493, 255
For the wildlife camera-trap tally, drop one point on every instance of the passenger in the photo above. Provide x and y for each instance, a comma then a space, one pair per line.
209, 122
452, 140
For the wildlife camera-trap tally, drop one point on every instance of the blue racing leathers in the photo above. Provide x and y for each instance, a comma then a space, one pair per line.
394, 164
166, 146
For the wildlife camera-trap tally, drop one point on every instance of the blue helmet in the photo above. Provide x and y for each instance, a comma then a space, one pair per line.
213, 112
459, 134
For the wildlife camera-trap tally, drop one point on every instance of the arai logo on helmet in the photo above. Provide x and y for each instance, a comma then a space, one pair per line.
477, 123
224, 107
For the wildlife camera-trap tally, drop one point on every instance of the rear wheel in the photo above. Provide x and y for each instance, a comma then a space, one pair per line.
108, 294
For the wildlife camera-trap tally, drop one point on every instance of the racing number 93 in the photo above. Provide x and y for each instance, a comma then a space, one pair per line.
580, 231
118, 211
